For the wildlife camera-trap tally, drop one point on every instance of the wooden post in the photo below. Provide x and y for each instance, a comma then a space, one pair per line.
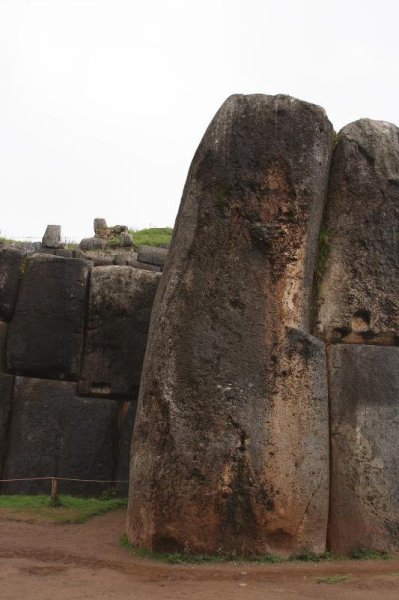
54, 492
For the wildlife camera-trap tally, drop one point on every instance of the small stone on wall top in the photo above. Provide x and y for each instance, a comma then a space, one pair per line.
117, 236
100, 225
52, 237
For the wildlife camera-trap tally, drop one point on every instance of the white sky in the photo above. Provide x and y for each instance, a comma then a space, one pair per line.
103, 102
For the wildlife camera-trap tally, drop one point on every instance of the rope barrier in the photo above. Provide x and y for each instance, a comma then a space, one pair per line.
55, 481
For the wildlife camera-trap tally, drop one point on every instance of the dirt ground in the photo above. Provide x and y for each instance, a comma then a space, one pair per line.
75, 562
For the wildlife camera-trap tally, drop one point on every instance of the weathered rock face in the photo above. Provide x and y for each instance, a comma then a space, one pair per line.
100, 227
117, 236
51, 429
34, 433
126, 416
152, 255
120, 306
124, 259
145, 266
87, 450
55, 433
11, 265
359, 292
45, 337
3, 339
6, 386
364, 392
125, 239
93, 243
231, 443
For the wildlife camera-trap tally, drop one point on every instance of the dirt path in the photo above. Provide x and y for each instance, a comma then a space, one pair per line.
76, 562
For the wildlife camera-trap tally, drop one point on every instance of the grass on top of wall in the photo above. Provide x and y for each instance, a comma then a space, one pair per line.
154, 236
7, 241
69, 509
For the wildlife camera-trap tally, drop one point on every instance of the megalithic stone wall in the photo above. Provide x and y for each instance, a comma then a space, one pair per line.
55, 432
230, 448
62, 320
358, 304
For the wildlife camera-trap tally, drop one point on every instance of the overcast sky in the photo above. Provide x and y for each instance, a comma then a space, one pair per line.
103, 102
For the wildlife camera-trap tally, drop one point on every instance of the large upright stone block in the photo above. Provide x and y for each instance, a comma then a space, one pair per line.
45, 337
52, 237
230, 448
364, 392
120, 305
88, 448
359, 291
11, 266
55, 433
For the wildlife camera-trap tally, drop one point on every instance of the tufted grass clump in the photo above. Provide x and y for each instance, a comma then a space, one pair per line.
334, 579
362, 553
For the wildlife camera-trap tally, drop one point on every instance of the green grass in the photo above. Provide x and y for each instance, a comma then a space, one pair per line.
357, 554
307, 556
328, 555
155, 236
369, 554
6, 241
69, 509
334, 579
180, 558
